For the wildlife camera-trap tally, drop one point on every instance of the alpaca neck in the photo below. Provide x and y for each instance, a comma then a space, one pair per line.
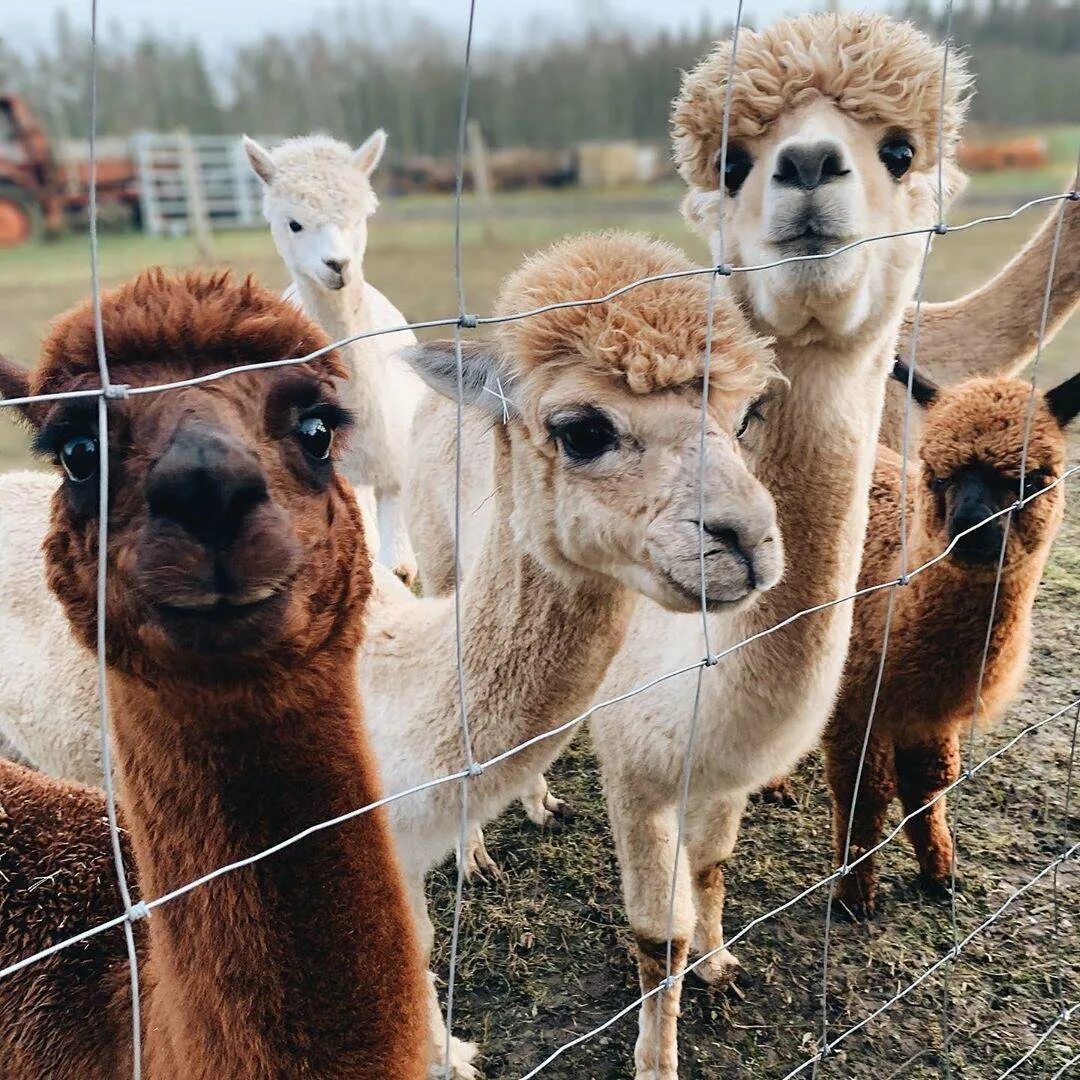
276, 967
547, 638
340, 312
817, 462
951, 605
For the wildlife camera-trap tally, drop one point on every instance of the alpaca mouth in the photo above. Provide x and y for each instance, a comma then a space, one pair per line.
226, 623
808, 239
712, 603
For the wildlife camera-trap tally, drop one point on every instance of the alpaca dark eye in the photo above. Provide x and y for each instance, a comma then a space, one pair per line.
751, 414
316, 437
295, 225
896, 155
737, 166
79, 457
585, 437
938, 483
1035, 481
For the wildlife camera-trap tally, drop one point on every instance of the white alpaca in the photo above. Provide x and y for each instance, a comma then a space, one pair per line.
596, 502
317, 197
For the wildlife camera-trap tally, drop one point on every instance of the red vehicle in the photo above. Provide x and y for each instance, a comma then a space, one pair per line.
38, 192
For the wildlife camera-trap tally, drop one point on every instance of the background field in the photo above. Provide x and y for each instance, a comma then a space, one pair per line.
545, 955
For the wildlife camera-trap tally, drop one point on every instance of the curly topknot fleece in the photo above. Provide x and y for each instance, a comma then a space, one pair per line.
650, 337
178, 326
874, 68
321, 174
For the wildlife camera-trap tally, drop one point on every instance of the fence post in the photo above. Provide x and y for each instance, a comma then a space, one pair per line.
481, 174
198, 218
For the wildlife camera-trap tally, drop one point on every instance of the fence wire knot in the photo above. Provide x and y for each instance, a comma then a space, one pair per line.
475, 769
138, 911
724, 269
1073, 196
116, 391
468, 322
941, 228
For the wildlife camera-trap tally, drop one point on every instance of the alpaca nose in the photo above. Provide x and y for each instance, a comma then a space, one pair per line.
809, 165
337, 265
207, 483
725, 536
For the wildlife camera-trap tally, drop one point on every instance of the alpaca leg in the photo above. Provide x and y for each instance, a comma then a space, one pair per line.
923, 769
541, 806
780, 791
645, 839
477, 862
458, 1066
395, 550
864, 811
712, 829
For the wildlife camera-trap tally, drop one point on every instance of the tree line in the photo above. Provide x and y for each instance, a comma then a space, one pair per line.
357, 71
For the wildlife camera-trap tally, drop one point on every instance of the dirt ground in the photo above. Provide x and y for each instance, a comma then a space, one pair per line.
545, 955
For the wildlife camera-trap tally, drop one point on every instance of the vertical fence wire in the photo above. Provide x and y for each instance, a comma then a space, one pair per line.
459, 651
695, 711
103, 561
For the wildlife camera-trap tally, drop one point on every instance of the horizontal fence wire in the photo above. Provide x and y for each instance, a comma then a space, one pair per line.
118, 390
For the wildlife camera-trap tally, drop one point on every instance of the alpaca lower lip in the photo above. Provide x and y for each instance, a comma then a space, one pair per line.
712, 603
220, 615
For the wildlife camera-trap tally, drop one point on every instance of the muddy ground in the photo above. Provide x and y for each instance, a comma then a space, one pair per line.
545, 956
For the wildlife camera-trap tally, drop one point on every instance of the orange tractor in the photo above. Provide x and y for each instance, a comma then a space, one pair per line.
41, 194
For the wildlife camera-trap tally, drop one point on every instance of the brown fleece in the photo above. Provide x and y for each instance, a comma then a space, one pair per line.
306, 964
930, 679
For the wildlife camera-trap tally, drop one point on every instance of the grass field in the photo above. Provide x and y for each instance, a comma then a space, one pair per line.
546, 955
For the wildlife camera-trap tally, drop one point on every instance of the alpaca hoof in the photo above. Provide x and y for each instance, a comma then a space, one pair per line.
406, 574
935, 887
855, 904
459, 1066
720, 971
779, 792
480, 866
561, 811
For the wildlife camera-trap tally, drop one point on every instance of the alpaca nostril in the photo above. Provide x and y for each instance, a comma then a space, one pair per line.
728, 538
206, 485
809, 166
337, 265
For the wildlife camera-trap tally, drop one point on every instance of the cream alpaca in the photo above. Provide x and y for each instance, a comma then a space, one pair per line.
834, 137
597, 500
317, 198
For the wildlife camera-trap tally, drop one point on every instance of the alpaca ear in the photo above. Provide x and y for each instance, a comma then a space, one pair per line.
484, 380
260, 160
1064, 400
15, 383
367, 157
923, 391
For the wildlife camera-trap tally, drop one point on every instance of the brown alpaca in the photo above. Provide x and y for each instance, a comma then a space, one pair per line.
968, 469
237, 581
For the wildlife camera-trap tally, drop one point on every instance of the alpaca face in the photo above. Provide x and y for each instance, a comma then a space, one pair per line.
230, 536
833, 138
608, 481
818, 180
317, 198
972, 453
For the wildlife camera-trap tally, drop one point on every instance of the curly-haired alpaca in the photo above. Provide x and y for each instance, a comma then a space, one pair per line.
968, 468
237, 581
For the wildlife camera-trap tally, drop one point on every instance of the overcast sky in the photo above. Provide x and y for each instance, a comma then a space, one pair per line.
222, 23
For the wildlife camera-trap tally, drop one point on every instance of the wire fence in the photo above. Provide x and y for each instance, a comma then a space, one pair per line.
826, 1041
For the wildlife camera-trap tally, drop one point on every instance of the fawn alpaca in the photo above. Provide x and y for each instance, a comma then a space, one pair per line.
968, 468
237, 580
